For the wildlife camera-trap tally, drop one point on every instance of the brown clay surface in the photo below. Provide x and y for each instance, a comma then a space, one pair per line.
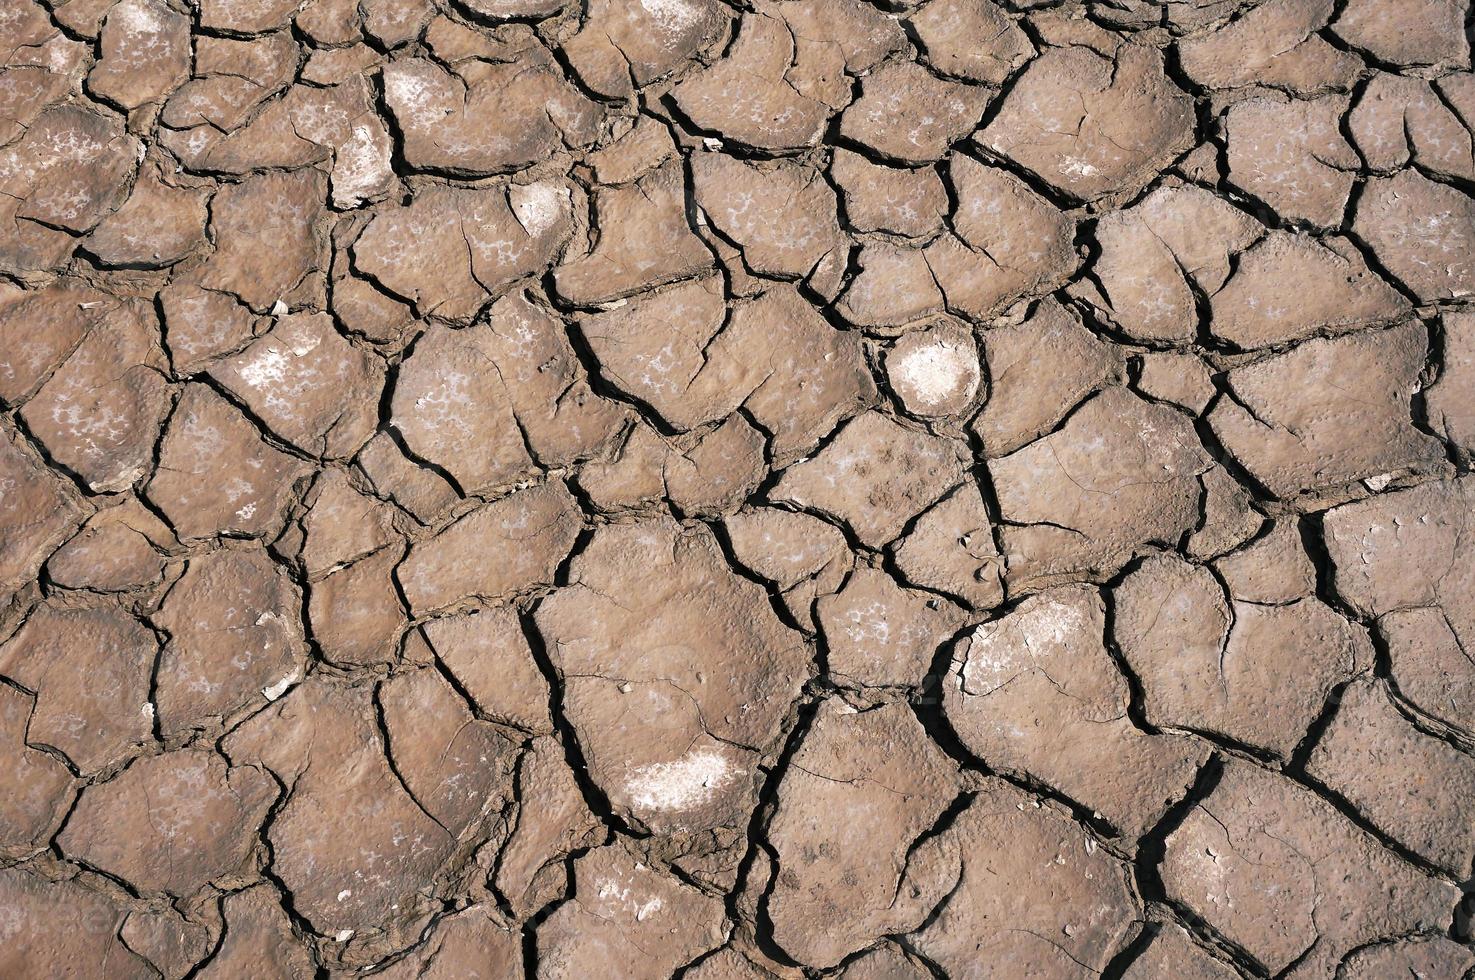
737, 489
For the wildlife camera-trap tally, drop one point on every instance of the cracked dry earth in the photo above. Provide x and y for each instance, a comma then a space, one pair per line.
737, 490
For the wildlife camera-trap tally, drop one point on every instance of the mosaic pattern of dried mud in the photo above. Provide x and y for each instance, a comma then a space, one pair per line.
737, 489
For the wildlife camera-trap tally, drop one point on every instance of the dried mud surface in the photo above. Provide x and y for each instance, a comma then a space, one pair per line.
737, 489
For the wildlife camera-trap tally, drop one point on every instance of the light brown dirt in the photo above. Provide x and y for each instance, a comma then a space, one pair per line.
737, 489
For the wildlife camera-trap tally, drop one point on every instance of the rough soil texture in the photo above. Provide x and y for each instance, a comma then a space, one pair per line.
737, 489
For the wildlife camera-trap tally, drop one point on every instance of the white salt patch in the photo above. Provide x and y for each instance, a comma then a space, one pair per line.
991, 661
1076, 167
362, 164
410, 91
136, 18
274, 691
671, 15
270, 365
537, 206
937, 373
1001, 649
266, 368
689, 781
611, 890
